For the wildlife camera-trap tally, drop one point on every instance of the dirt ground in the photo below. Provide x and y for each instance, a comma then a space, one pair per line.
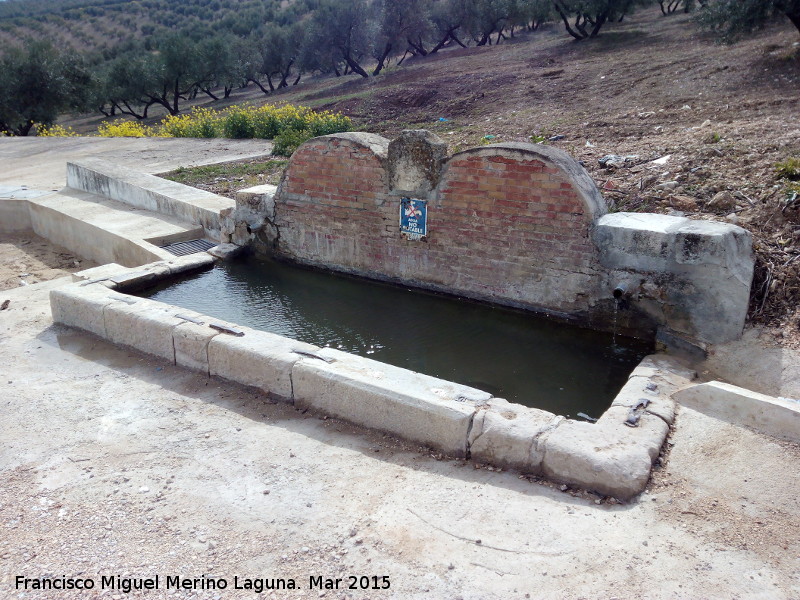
114, 463
27, 259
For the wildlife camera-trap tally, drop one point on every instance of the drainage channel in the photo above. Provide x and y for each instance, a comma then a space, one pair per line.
188, 247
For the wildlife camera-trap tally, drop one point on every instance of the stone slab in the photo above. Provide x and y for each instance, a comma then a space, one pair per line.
259, 359
413, 406
191, 341
506, 435
82, 306
778, 417
145, 325
595, 458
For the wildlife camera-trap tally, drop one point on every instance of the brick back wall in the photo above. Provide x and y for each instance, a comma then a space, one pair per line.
505, 226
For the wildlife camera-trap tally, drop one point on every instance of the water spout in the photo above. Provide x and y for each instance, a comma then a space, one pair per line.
620, 291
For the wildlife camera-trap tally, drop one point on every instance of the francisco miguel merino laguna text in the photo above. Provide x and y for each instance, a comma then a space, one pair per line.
176, 582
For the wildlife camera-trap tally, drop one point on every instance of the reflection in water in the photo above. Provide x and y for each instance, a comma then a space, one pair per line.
512, 354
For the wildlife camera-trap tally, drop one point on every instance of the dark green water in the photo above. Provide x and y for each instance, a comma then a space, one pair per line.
516, 355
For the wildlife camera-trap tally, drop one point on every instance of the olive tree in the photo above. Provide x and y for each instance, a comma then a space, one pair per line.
733, 18
38, 82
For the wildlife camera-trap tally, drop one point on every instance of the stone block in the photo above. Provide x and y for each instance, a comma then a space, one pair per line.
595, 458
259, 199
101, 272
82, 306
410, 405
189, 263
415, 160
506, 435
190, 341
648, 436
657, 395
226, 251
778, 417
145, 325
696, 273
259, 359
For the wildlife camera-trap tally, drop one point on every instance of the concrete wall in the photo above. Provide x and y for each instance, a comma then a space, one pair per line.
88, 240
14, 215
693, 276
149, 192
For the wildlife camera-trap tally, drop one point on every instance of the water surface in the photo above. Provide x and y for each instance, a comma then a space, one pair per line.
525, 358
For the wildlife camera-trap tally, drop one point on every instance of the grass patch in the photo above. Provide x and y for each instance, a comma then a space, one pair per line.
789, 169
227, 178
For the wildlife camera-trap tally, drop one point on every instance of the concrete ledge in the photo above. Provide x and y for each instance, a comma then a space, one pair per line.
148, 192
145, 325
137, 277
609, 456
258, 359
91, 231
82, 307
416, 407
510, 435
773, 416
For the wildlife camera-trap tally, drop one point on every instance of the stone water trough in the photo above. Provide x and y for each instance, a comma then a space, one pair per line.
514, 224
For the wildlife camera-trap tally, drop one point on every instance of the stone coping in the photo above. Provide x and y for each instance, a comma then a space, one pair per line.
777, 417
609, 457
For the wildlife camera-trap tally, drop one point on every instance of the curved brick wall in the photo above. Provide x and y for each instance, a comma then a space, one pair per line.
510, 223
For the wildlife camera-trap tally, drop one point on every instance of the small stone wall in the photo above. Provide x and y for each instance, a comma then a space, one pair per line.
517, 224
610, 456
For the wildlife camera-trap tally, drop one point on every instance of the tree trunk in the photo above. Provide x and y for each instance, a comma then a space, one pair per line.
564, 18
299, 75
454, 37
227, 91
418, 47
354, 66
258, 83
285, 75
24, 129
387, 49
601, 19
580, 24
209, 93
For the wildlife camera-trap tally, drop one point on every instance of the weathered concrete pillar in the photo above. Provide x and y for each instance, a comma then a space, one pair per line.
415, 163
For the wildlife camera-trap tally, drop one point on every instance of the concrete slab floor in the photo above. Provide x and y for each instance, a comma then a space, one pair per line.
115, 463
41, 163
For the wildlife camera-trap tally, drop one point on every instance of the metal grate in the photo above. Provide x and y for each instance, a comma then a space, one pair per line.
190, 247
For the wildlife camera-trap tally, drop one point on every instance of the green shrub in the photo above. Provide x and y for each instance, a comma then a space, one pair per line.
289, 140
238, 124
